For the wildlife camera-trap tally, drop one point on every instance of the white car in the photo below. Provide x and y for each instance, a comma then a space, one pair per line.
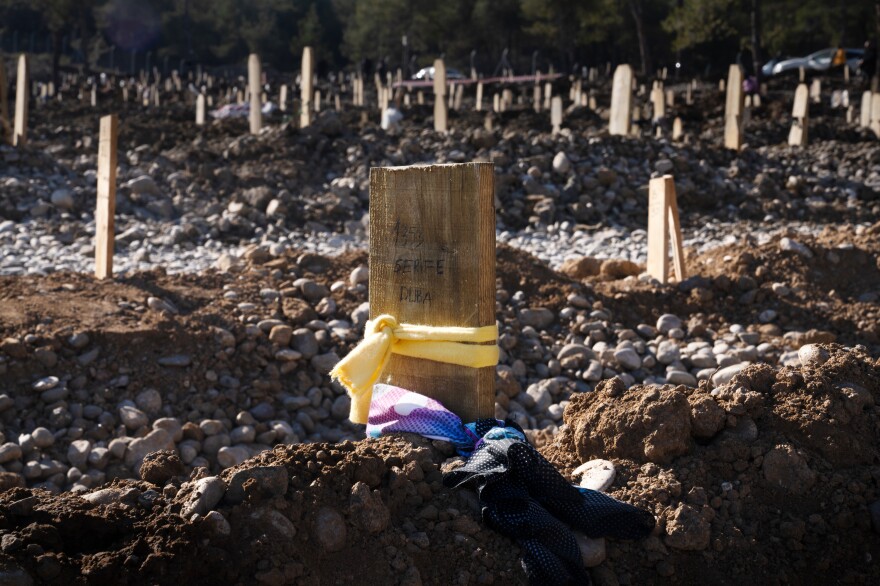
427, 73
819, 61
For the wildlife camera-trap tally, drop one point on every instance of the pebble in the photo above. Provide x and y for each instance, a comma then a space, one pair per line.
812, 355
175, 360
596, 474
667, 322
723, 376
205, 495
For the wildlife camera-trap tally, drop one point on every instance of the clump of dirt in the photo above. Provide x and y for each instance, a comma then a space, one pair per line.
773, 477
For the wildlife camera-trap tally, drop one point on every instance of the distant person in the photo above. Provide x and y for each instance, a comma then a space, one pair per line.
839, 59
868, 64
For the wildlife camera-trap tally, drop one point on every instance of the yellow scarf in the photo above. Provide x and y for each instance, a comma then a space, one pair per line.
383, 336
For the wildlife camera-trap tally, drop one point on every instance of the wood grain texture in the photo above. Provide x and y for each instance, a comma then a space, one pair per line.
658, 228
254, 77
432, 262
307, 86
106, 205
22, 88
621, 101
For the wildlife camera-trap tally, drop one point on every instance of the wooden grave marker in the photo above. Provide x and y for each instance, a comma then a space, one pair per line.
658, 101
200, 110
556, 113
5, 128
439, 96
663, 224
677, 131
19, 130
865, 112
800, 113
307, 88
733, 109
432, 262
282, 98
254, 75
621, 101
815, 91
106, 205
479, 106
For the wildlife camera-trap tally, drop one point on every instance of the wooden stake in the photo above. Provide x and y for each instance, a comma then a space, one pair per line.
19, 132
200, 110
106, 208
658, 100
733, 109
432, 262
677, 130
439, 93
663, 223
307, 87
621, 101
479, 106
254, 75
797, 136
865, 112
556, 113
875, 113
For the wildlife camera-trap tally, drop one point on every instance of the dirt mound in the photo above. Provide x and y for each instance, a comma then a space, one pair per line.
372, 512
772, 477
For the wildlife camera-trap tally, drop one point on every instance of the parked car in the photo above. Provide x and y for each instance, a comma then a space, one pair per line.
427, 73
818, 61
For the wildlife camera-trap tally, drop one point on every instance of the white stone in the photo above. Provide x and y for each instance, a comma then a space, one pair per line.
596, 474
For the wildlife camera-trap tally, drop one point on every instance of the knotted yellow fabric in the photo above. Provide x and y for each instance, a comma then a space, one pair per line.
384, 336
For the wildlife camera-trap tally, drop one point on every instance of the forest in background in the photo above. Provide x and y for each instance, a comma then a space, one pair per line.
702, 35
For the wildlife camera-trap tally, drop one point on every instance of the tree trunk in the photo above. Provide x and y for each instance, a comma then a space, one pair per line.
635, 7
57, 39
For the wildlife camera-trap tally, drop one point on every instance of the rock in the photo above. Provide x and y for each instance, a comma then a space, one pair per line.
149, 401
160, 466
668, 352
368, 509
789, 245
359, 275
143, 185
813, 355
45, 384
104, 496
78, 453
206, 493
596, 474
561, 163
329, 529
268, 482
681, 377
229, 456
667, 322
627, 358
592, 550
62, 199
175, 360
13, 348
687, 529
9, 451
158, 439
11, 574
281, 335
541, 396
575, 356
276, 526
43, 438
132, 417
786, 468
217, 524
723, 376
305, 342
581, 268
537, 317
324, 363
11, 480
619, 269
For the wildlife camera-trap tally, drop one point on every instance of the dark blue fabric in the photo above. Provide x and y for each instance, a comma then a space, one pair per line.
524, 497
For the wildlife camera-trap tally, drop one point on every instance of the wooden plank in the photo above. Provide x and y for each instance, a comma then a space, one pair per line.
658, 101
875, 113
307, 88
556, 113
282, 98
621, 101
200, 110
5, 128
432, 262
479, 106
19, 130
801, 101
106, 205
733, 105
254, 75
797, 136
440, 107
675, 233
658, 228
865, 112
677, 130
